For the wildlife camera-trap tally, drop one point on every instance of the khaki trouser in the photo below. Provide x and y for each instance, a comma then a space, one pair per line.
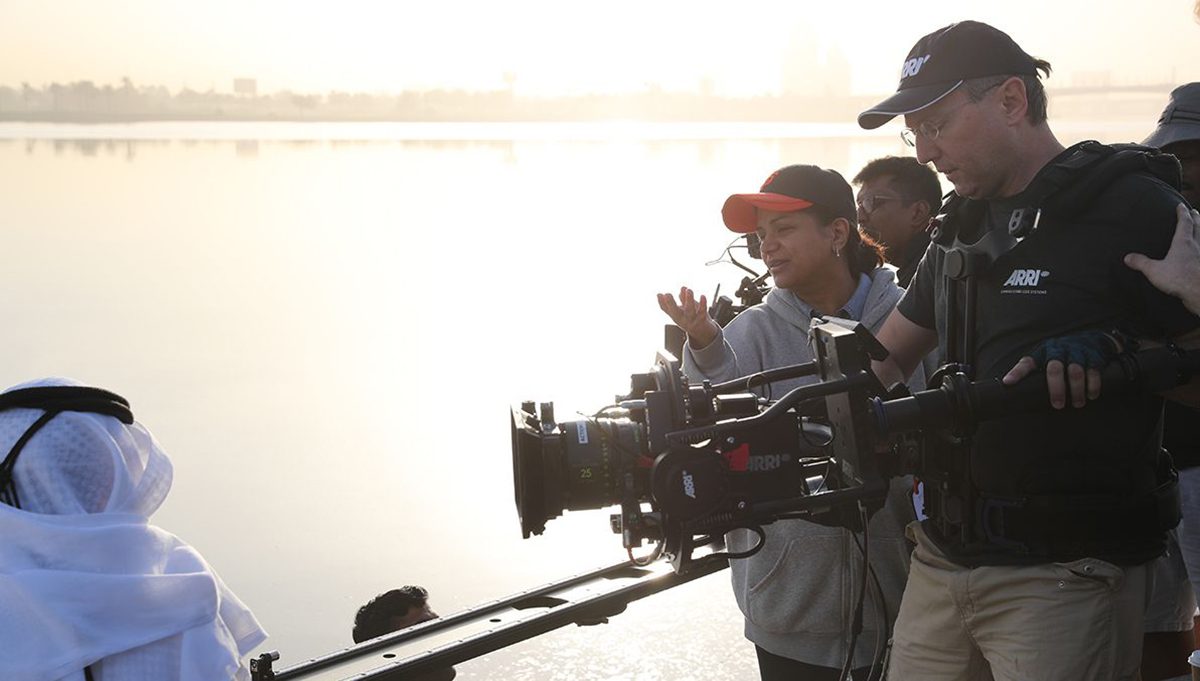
1078, 621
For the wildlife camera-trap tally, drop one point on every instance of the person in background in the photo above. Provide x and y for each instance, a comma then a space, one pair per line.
1169, 623
1178, 134
395, 610
897, 196
391, 611
89, 589
796, 592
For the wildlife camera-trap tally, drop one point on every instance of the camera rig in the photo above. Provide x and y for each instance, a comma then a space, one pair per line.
688, 462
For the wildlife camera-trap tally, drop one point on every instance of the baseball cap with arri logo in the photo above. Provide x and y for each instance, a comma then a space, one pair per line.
942, 60
788, 189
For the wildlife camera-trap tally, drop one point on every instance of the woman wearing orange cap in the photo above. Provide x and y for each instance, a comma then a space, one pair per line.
798, 592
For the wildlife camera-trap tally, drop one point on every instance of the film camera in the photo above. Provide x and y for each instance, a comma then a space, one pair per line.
688, 462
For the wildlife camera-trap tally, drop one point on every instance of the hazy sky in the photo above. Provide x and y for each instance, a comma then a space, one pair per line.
560, 46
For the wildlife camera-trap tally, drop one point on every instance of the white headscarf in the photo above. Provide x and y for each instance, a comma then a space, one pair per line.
86, 580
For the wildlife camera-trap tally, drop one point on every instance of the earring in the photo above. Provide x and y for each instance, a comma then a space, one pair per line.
837, 253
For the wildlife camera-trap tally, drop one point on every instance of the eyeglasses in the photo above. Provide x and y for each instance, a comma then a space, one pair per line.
930, 130
868, 204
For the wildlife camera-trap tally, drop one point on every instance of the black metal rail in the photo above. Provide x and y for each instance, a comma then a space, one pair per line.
588, 598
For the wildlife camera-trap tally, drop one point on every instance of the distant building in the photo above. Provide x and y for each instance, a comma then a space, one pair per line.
245, 86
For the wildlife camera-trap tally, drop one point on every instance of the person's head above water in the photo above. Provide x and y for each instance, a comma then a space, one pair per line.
391, 611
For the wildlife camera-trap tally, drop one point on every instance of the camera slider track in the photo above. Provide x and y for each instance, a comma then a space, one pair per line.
584, 599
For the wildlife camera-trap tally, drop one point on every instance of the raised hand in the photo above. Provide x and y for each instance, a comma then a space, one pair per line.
691, 315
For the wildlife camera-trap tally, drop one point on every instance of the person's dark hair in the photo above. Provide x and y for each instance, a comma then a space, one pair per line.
915, 181
375, 618
861, 253
1035, 92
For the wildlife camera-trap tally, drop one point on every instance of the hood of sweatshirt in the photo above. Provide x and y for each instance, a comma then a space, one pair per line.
881, 299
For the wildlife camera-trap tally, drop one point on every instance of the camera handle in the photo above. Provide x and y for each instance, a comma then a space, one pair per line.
959, 403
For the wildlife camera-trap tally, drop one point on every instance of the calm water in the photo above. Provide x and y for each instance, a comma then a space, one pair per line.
325, 325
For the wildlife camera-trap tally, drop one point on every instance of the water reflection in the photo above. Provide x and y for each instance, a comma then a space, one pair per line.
327, 334
242, 148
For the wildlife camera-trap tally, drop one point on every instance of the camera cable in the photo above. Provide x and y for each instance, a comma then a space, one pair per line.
882, 642
766, 377
856, 627
647, 559
733, 261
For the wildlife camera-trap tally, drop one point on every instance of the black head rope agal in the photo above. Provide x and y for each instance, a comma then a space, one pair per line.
53, 400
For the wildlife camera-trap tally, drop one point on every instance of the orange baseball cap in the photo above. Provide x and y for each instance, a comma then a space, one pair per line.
792, 188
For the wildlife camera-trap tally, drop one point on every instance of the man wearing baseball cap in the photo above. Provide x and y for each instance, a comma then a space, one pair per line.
1032, 562
794, 592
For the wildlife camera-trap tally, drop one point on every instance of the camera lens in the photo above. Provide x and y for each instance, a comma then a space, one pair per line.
574, 465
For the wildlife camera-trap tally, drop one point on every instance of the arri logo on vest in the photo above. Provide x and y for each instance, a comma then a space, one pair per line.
1025, 281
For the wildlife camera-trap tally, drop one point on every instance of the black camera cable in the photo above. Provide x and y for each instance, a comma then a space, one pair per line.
733, 261
738, 555
594, 420
881, 643
856, 626
767, 376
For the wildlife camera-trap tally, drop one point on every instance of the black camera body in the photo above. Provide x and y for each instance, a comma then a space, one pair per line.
689, 462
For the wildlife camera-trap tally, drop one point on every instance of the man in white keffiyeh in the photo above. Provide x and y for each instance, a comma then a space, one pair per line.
87, 585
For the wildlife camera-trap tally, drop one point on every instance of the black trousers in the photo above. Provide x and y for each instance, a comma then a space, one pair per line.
772, 667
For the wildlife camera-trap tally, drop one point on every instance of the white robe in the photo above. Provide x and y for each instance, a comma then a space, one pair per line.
86, 580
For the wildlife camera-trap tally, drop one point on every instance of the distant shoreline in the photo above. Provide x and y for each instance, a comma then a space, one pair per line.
84, 104
1102, 115
90, 118
281, 130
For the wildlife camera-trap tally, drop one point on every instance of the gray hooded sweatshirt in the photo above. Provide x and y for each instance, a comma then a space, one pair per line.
798, 592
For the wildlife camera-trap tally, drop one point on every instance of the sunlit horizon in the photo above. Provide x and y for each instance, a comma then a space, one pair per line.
540, 48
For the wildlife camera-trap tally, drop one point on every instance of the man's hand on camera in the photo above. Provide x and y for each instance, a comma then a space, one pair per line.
1083, 355
691, 315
